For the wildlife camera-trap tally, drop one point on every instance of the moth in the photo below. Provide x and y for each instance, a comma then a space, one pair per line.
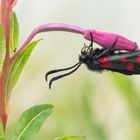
124, 62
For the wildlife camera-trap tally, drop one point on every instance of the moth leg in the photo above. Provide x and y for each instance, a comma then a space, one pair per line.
91, 43
107, 50
89, 48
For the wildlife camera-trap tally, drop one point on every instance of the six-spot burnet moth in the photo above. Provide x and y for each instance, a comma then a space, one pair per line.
124, 62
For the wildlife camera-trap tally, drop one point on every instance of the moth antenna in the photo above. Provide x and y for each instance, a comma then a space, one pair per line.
59, 70
63, 75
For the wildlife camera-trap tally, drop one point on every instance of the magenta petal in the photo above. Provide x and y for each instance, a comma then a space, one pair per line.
106, 40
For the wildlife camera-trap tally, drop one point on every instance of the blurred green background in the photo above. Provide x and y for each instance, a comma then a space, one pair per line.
102, 106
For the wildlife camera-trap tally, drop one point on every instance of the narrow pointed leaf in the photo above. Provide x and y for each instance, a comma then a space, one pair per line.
31, 121
69, 137
2, 137
2, 46
18, 66
14, 33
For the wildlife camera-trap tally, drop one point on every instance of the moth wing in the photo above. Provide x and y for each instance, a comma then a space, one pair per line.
126, 63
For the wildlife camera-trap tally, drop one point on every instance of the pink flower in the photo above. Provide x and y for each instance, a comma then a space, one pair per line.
106, 39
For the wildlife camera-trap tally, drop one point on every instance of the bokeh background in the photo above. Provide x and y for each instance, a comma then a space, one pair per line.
100, 106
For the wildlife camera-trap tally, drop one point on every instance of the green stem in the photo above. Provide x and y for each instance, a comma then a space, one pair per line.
5, 13
3, 114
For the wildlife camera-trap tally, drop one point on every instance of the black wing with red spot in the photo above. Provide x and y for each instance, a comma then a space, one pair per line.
125, 63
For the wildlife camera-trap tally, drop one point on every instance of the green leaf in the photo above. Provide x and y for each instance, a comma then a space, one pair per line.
69, 137
31, 121
2, 137
2, 46
18, 66
14, 33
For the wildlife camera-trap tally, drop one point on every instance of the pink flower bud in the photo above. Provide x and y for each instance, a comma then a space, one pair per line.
106, 40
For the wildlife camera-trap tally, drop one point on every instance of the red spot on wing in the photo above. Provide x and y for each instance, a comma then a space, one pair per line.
123, 59
130, 66
106, 65
104, 59
138, 58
